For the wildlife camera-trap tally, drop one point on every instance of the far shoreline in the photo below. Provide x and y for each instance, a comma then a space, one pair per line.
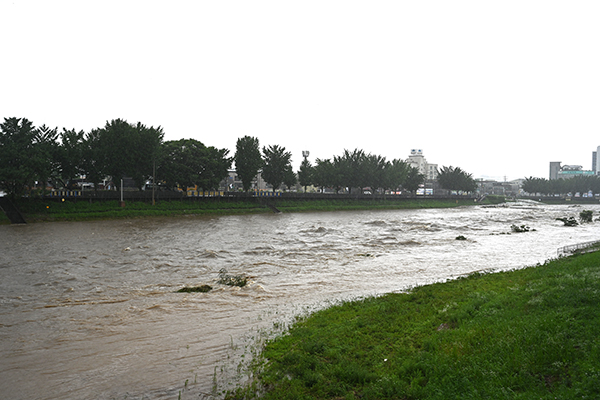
80, 209
52, 209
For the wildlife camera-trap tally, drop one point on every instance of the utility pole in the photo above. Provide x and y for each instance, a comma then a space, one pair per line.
122, 203
153, 179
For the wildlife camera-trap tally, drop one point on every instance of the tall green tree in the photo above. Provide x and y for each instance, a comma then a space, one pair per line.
276, 162
147, 142
395, 175
180, 162
188, 162
290, 179
534, 185
114, 143
555, 186
413, 180
350, 168
248, 160
452, 178
579, 184
93, 163
374, 170
584, 184
217, 167
70, 157
129, 150
46, 155
18, 155
325, 175
305, 173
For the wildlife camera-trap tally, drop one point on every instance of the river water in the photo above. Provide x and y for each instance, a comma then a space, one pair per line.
88, 310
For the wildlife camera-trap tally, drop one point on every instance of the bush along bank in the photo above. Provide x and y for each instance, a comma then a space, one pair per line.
36, 210
524, 334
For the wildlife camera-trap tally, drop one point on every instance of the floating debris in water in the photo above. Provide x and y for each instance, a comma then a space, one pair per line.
231, 280
520, 229
193, 289
571, 221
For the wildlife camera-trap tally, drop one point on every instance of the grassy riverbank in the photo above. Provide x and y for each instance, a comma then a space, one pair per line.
38, 210
525, 334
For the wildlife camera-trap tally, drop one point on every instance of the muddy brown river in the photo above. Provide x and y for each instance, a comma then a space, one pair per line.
88, 310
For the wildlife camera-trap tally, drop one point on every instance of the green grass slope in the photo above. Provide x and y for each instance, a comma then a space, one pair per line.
525, 334
39, 210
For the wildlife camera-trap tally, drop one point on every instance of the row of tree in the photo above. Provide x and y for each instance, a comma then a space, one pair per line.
352, 170
579, 184
120, 149
357, 169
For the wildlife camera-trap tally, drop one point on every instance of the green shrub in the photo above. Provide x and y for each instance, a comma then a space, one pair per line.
586, 216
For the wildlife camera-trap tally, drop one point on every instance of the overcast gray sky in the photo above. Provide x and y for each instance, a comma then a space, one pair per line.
498, 88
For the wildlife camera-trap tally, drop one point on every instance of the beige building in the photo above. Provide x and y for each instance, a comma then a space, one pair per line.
417, 160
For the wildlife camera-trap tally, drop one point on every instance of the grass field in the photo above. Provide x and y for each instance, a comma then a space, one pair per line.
532, 333
38, 210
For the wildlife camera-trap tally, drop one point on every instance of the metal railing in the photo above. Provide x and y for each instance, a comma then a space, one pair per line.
574, 248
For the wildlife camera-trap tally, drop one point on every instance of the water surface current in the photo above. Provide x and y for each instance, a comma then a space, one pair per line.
88, 310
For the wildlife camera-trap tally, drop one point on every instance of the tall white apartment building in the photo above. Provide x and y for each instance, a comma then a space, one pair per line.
417, 160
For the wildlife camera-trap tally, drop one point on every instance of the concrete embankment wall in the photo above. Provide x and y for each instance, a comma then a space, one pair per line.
225, 196
11, 211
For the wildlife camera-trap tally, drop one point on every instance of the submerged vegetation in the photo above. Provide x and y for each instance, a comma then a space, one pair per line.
586, 216
195, 289
523, 334
570, 221
224, 279
520, 228
231, 280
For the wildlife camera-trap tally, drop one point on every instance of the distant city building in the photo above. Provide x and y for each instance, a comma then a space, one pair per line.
567, 171
554, 168
418, 161
596, 161
511, 188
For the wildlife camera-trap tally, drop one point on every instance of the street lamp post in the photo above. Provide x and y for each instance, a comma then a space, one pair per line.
305, 154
